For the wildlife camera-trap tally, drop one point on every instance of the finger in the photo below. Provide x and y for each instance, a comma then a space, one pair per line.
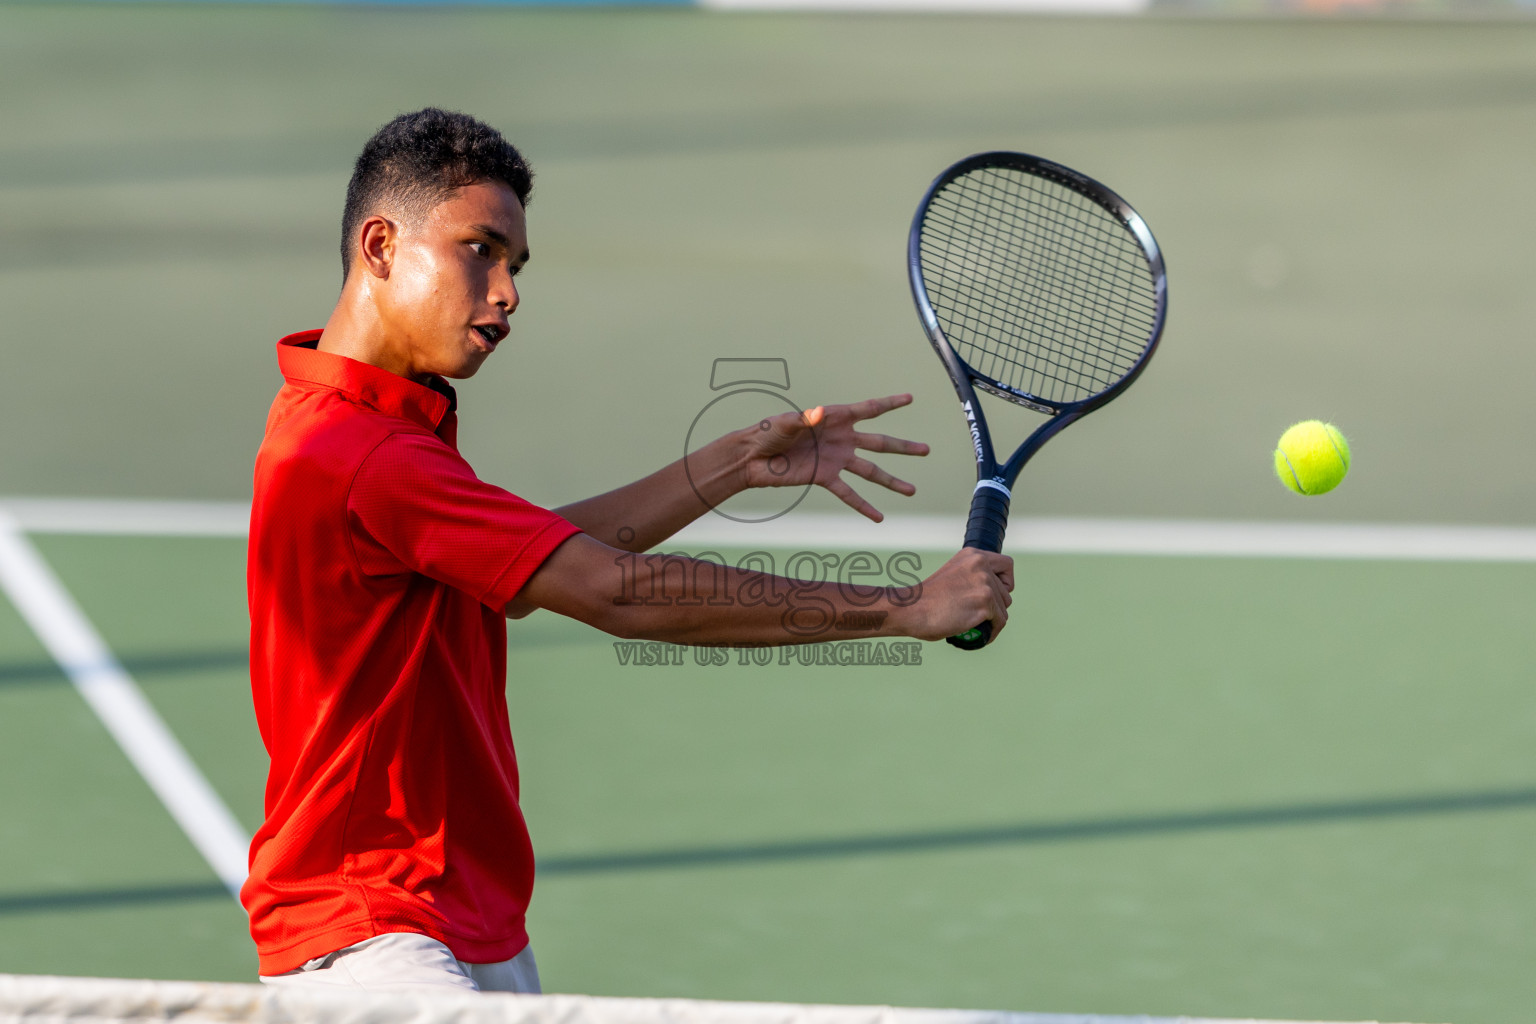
853, 500
875, 475
812, 417
1000, 616
886, 443
1002, 567
1001, 595
872, 407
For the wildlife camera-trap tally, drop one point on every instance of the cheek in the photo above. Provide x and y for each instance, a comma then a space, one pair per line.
430, 287
412, 278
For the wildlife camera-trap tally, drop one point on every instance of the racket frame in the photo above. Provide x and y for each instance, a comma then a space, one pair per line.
994, 481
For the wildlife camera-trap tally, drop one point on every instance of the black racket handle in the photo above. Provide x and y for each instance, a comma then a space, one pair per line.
984, 531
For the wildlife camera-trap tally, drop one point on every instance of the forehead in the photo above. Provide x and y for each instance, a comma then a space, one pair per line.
487, 204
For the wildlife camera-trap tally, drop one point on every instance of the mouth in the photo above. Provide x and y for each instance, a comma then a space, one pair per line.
492, 333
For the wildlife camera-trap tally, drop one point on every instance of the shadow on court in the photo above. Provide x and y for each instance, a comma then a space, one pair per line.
43, 672
106, 898
1045, 832
873, 845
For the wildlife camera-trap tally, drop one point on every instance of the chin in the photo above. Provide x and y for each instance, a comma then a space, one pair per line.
466, 369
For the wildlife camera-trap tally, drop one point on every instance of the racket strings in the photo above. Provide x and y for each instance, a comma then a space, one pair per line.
1066, 357
1062, 231
1037, 286
1047, 283
1059, 352
1063, 352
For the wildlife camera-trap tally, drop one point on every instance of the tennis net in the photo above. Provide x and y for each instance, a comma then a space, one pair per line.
40, 1000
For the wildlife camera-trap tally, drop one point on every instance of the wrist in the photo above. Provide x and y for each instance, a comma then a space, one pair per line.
718, 471
906, 613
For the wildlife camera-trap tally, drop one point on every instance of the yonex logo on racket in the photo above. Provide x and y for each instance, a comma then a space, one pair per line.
970, 416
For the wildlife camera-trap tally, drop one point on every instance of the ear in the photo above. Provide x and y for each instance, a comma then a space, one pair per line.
378, 239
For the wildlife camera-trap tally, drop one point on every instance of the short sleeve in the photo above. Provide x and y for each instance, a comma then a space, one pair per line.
416, 506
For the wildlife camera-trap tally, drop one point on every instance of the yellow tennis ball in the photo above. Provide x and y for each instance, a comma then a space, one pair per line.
1312, 458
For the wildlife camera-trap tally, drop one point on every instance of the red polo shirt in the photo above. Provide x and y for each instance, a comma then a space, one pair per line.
379, 565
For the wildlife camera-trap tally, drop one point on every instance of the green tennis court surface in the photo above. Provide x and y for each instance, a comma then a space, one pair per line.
1287, 789
1203, 786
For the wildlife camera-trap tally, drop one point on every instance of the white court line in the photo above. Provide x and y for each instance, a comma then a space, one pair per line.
121, 705
129, 516
1026, 534
1187, 537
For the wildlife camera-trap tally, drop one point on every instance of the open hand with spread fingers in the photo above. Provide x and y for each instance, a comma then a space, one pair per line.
816, 446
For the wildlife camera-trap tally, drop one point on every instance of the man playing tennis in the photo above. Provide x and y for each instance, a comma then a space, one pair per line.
382, 570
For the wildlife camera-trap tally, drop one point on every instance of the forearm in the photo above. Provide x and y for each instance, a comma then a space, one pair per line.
692, 601
641, 515
686, 601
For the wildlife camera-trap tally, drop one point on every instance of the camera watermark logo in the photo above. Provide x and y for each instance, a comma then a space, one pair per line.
815, 627
754, 389
837, 653
825, 602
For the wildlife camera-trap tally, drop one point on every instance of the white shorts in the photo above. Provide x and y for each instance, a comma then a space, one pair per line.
408, 962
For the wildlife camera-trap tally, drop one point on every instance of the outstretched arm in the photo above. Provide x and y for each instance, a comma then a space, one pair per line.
788, 450
685, 600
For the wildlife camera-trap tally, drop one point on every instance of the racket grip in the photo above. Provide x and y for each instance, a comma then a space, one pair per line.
984, 531
989, 517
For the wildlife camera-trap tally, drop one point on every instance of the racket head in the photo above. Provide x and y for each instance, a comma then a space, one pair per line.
1036, 283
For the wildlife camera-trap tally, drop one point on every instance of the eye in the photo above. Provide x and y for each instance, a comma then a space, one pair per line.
481, 249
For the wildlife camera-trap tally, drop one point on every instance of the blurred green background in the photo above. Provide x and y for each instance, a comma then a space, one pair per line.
1221, 787
1345, 207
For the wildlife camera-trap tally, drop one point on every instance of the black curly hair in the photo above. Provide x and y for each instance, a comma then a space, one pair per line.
420, 159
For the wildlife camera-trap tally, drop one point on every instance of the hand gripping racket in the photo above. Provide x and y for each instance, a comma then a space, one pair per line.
1040, 286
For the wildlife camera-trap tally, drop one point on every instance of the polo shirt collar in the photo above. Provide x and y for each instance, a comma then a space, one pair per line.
389, 393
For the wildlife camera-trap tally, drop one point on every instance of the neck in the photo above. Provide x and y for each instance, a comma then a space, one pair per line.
357, 330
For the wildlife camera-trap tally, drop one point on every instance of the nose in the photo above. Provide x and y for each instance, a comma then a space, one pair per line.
504, 291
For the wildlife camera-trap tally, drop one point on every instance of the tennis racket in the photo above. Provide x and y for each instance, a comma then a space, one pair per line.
1038, 285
